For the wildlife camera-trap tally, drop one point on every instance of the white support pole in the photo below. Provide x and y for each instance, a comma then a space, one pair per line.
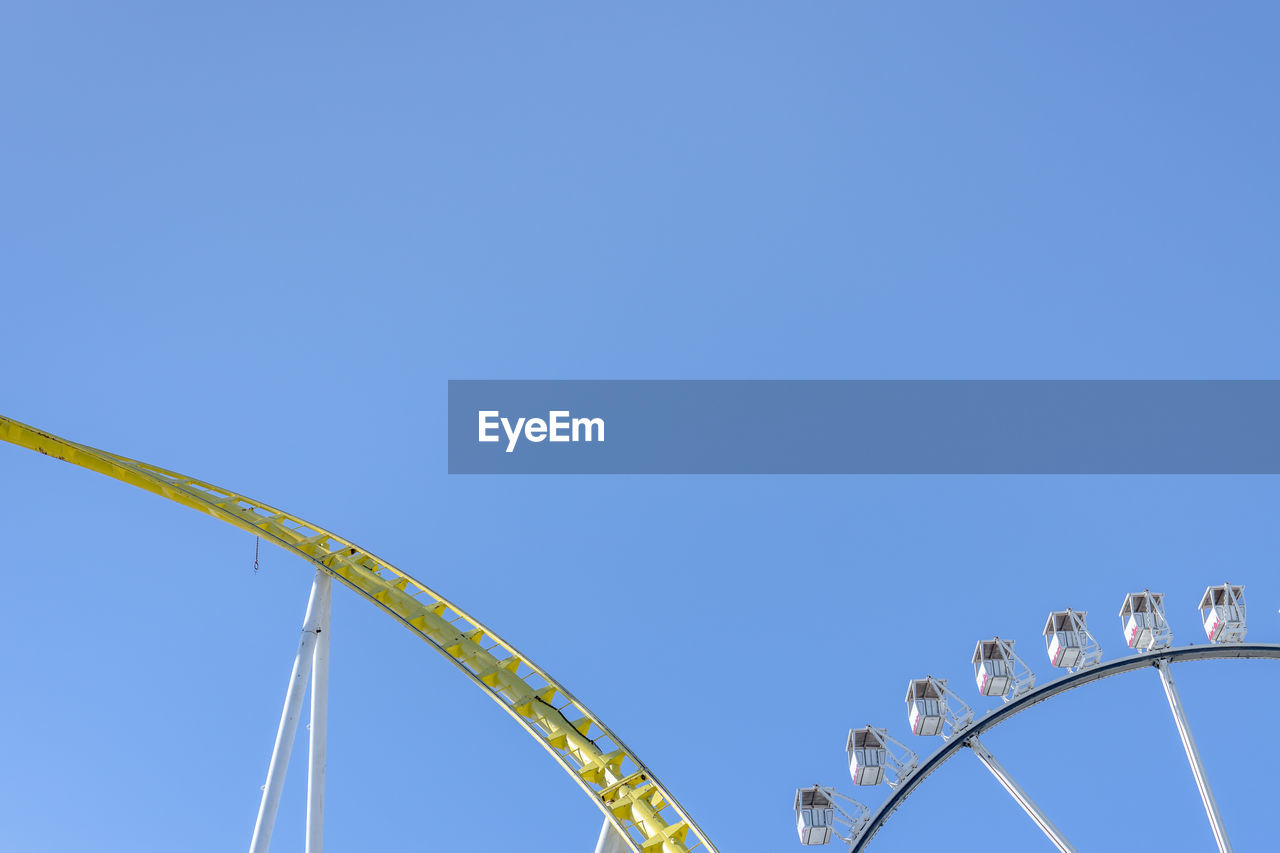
610, 841
1015, 790
319, 720
1193, 755
266, 822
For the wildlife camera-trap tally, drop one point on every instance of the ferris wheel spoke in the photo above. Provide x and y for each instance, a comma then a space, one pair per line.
1193, 756
1023, 799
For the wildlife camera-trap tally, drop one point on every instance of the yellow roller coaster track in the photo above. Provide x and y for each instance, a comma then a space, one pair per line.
632, 799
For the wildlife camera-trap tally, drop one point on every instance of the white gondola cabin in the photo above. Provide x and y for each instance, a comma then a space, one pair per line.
992, 668
999, 671
1062, 641
1223, 613
1068, 641
868, 755
926, 707
1145, 626
815, 815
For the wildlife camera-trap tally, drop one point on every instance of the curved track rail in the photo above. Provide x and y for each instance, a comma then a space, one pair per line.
1048, 691
631, 797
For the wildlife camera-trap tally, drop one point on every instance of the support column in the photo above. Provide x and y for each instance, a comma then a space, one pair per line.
266, 822
1015, 790
610, 841
1193, 755
319, 720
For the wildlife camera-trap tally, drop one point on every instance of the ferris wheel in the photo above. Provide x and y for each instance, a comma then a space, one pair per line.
935, 710
640, 813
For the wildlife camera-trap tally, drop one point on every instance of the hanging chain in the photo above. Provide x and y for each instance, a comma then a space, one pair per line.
256, 542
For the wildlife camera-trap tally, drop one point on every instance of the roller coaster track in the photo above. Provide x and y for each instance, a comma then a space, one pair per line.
642, 810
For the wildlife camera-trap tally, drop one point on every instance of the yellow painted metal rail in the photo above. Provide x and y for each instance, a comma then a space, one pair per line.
641, 808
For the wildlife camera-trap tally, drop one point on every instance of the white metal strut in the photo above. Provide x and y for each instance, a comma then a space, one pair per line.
319, 722
1193, 756
1021, 796
314, 626
610, 841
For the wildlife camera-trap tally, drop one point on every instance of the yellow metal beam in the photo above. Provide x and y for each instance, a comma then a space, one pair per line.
625, 790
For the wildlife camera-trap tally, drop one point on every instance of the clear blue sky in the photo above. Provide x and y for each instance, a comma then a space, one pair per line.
252, 243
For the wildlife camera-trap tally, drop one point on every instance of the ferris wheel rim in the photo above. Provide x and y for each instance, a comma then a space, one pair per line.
1043, 693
